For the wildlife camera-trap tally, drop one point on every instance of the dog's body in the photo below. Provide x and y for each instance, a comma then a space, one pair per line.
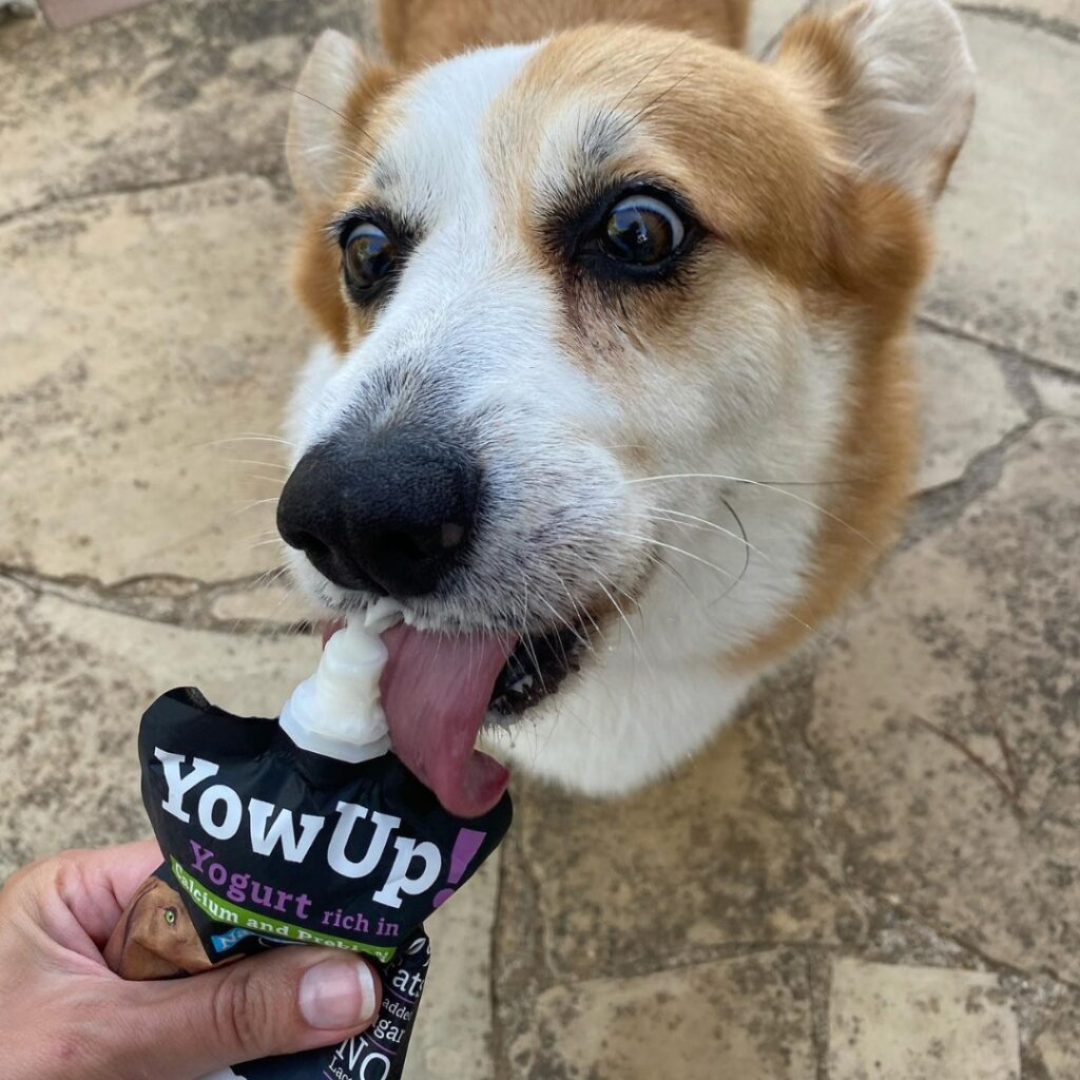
688, 462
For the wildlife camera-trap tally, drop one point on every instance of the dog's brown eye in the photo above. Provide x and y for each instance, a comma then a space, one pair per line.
642, 230
369, 256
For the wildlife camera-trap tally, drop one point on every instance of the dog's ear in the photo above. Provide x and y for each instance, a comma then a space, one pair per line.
326, 122
897, 82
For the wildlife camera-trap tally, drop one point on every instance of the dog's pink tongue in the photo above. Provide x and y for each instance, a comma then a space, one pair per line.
435, 690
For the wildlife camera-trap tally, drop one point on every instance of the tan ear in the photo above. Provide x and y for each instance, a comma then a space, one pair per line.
898, 83
321, 128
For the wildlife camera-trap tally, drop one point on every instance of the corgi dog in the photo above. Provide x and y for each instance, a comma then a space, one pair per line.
614, 390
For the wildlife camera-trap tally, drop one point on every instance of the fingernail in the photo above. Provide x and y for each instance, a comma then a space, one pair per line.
337, 994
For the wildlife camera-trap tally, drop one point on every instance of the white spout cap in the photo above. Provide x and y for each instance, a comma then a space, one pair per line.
337, 712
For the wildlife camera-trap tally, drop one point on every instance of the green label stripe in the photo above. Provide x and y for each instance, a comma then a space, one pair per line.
223, 911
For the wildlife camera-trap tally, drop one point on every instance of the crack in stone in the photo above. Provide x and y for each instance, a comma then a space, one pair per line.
167, 599
812, 782
941, 506
500, 1061
702, 956
121, 190
1018, 356
819, 980
1037, 1006
1021, 388
793, 708
992, 964
707, 955
769, 48
1032, 1067
520, 968
1029, 20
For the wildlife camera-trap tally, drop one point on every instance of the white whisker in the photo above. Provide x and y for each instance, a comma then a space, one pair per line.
569, 625
704, 523
638, 650
766, 486
677, 550
251, 506
582, 612
251, 436
263, 464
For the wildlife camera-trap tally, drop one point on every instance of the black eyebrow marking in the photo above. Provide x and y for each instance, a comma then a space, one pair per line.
603, 131
599, 139
384, 175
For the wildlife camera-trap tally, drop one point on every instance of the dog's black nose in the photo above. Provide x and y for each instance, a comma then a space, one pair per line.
390, 512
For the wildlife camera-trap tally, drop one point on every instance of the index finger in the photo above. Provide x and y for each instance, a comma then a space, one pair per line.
100, 881
125, 867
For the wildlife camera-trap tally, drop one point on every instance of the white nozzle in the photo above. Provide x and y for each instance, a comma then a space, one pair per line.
336, 712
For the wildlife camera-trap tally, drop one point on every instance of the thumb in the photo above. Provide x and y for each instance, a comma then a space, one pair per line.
293, 998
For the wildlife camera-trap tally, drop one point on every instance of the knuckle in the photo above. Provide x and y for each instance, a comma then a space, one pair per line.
46, 871
38, 868
66, 873
27, 885
242, 1010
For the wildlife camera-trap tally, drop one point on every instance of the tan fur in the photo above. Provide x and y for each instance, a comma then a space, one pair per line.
856, 252
317, 263
420, 31
766, 205
879, 255
788, 209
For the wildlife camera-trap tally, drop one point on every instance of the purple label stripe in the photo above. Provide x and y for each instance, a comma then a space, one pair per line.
404, 1000
379, 1046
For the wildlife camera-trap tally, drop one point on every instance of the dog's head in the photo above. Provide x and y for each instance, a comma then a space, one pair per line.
593, 305
155, 938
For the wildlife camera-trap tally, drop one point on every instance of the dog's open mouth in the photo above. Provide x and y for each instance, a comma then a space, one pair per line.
439, 688
535, 669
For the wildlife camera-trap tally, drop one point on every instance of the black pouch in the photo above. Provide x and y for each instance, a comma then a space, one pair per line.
266, 844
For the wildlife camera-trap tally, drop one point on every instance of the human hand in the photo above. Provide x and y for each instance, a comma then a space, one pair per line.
64, 1014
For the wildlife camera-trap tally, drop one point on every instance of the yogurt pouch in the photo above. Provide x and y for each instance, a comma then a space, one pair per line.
269, 843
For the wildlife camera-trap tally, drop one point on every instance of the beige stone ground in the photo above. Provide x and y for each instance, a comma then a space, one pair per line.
874, 875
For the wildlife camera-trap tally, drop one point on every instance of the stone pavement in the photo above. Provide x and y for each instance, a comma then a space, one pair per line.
873, 875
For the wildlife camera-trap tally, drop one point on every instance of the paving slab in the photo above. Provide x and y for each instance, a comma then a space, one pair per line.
179, 90
908, 1023
1060, 396
767, 19
748, 1018
75, 680
1061, 17
141, 333
909, 793
729, 829
967, 406
453, 1037
1056, 1048
945, 720
1006, 267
